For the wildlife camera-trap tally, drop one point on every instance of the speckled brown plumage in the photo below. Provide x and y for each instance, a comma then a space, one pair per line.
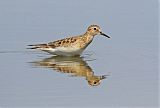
71, 46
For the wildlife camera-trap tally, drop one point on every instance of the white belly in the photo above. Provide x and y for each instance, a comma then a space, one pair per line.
63, 51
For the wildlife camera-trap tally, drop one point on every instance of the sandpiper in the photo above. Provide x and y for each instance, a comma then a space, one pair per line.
72, 46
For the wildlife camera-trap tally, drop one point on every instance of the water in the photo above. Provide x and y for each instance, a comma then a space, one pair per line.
124, 68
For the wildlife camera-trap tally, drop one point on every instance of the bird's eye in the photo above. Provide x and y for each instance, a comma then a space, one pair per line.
95, 82
95, 28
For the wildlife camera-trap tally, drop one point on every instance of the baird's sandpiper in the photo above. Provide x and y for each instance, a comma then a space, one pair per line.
71, 46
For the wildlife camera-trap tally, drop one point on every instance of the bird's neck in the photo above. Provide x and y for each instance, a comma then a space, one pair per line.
87, 37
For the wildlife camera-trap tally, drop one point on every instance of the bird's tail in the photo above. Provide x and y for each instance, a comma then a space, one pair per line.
38, 46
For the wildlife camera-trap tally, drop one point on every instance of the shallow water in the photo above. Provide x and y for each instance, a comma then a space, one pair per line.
117, 72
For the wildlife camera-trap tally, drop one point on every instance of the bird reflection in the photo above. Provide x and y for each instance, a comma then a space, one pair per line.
75, 66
